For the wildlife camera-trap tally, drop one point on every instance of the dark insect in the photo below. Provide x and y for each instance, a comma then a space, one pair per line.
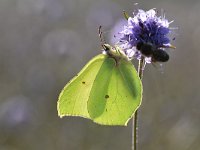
148, 50
160, 56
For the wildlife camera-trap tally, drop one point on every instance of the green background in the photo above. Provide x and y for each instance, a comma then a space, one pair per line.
44, 43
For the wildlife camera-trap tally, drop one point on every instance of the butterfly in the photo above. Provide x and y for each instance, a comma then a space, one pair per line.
107, 90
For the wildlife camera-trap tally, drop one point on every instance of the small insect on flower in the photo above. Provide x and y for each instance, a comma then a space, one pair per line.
146, 35
149, 50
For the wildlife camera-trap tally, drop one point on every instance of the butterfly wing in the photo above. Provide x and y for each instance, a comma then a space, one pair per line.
73, 98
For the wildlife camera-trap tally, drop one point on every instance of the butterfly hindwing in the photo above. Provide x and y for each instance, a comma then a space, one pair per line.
116, 93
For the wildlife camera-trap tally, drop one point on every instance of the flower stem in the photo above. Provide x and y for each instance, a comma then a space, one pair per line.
135, 119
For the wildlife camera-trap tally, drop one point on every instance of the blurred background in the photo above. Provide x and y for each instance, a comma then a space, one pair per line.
44, 43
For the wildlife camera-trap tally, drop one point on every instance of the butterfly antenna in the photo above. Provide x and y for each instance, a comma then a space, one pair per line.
102, 39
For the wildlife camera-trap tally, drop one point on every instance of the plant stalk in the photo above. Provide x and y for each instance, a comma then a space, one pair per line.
135, 119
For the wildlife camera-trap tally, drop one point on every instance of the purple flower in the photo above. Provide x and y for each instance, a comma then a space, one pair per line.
145, 27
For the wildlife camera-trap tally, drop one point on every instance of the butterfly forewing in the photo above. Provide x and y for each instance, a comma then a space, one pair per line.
73, 98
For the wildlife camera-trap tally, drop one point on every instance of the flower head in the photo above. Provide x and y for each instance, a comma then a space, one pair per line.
147, 28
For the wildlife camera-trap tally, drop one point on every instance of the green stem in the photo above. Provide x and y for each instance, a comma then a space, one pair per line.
135, 119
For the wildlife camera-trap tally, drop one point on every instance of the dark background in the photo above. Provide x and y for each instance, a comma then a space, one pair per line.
44, 43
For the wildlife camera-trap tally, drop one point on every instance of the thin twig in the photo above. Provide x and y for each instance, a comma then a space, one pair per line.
135, 119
